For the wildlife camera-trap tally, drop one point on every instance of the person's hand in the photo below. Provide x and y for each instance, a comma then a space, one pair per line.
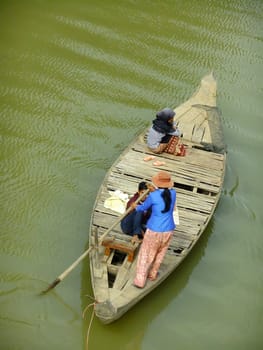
133, 206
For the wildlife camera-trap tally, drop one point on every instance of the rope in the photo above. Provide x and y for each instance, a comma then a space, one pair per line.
91, 319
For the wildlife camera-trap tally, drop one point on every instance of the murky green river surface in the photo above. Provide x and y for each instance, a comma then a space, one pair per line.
79, 79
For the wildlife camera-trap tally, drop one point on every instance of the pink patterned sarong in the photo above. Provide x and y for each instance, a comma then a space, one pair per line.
151, 254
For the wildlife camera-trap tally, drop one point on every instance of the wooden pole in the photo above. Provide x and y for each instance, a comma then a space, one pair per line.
76, 262
96, 242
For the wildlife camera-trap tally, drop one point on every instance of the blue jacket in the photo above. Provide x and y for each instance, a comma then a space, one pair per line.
158, 221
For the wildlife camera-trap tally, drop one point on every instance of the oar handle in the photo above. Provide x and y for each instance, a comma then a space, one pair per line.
76, 262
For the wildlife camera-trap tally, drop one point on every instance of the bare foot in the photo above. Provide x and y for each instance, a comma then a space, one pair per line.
153, 277
135, 239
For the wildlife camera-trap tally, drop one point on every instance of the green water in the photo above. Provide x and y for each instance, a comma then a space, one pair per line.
78, 80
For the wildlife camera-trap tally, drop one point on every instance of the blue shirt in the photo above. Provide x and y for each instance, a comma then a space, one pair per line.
158, 221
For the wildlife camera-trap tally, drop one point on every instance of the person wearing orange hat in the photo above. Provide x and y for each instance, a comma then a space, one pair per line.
160, 227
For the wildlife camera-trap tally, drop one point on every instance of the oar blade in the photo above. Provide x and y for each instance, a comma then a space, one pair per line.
51, 286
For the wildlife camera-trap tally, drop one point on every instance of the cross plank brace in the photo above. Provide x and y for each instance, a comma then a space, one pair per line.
127, 248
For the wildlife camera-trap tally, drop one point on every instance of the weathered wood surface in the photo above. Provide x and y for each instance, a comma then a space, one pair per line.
198, 179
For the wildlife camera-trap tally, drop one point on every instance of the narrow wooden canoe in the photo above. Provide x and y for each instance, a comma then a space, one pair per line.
198, 179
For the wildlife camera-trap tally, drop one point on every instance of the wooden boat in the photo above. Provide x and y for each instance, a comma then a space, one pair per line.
198, 179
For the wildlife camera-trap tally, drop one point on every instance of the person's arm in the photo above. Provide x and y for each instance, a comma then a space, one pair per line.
144, 206
131, 201
175, 131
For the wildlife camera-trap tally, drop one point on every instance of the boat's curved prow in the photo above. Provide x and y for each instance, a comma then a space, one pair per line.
208, 87
209, 80
207, 90
200, 120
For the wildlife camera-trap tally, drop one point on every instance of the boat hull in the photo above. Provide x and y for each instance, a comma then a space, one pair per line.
198, 179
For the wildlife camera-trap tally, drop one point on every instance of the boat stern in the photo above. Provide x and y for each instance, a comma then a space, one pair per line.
105, 311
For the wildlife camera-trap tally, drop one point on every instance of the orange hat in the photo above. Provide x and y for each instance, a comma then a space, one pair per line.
162, 179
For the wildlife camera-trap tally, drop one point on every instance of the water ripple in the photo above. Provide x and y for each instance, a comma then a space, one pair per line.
78, 81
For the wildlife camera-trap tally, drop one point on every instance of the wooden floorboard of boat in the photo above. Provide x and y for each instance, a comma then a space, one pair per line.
183, 169
130, 174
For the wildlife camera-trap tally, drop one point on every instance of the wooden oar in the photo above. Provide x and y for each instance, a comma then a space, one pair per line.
76, 262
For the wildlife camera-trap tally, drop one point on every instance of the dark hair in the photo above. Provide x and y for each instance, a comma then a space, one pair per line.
167, 200
142, 186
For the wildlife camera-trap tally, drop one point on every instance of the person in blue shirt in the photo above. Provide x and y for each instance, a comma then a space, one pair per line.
160, 228
162, 130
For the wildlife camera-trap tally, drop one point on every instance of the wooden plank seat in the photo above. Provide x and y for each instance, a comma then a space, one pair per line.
122, 246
